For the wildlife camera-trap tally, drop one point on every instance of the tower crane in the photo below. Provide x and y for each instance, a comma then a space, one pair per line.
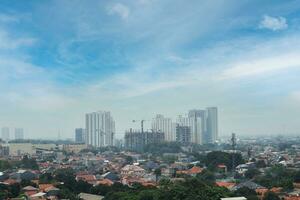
142, 123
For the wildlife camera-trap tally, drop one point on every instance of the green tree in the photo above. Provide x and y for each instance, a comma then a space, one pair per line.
251, 173
46, 178
206, 176
4, 165
246, 192
29, 163
157, 173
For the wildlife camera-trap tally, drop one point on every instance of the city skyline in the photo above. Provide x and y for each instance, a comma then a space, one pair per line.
63, 59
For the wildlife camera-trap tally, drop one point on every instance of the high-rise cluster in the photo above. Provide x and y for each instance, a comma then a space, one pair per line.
199, 126
99, 129
5, 134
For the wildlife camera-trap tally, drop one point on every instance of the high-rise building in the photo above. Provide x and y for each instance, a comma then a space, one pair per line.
183, 134
195, 124
5, 134
137, 140
198, 126
162, 124
212, 124
79, 135
19, 133
99, 129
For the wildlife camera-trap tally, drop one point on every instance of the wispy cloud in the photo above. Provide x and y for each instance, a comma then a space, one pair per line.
119, 9
9, 43
4, 18
261, 66
273, 23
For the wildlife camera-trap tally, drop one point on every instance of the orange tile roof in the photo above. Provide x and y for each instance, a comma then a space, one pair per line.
276, 189
261, 191
292, 198
86, 177
105, 182
225, 184
10, 181
42, 187
193, 170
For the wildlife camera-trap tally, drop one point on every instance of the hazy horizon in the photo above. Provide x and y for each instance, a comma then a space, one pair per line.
61, 59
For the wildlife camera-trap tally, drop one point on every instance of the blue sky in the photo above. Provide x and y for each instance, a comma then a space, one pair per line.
61, 59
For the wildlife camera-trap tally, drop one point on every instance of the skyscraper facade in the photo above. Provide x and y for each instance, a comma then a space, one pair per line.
198, 127
212, 124
183, 134
19, 133
195, 125
136, 140
165, 125
5, 134
79, 135
99, 129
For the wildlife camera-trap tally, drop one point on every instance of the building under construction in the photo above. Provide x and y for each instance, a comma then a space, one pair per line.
136, 140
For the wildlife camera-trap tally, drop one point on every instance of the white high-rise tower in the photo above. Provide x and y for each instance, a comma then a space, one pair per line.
212, 124
100, 129
165, 125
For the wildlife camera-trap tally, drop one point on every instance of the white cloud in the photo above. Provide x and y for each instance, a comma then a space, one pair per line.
261, 66
8, 43
273, 23
119, 9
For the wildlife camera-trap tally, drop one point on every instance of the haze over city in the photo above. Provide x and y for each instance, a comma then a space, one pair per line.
62, 59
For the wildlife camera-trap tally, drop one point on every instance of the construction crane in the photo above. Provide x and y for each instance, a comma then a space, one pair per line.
142, 123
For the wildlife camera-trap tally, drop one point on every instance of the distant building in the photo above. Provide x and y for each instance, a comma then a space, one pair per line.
137, 140
79, 135
195, 124
18, 149
183, 134
19, 133
99, 129
165, 125
198, 127
5, 134
74, 148
212, 125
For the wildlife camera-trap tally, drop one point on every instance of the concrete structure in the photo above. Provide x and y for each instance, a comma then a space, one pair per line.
74, 148
195, 124
79, 135
212, 125
17, 149
100, 129
5, 134
137, 140
19, 133
165, 125
183, 134
198, 127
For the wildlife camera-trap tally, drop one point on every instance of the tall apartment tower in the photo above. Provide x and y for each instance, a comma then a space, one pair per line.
165, 125
199, 128
19, 133
183, 134
100, 129
195, 124
212, 124
5, 134
79, 135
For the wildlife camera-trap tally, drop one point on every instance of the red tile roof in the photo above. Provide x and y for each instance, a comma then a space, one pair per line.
225, 184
